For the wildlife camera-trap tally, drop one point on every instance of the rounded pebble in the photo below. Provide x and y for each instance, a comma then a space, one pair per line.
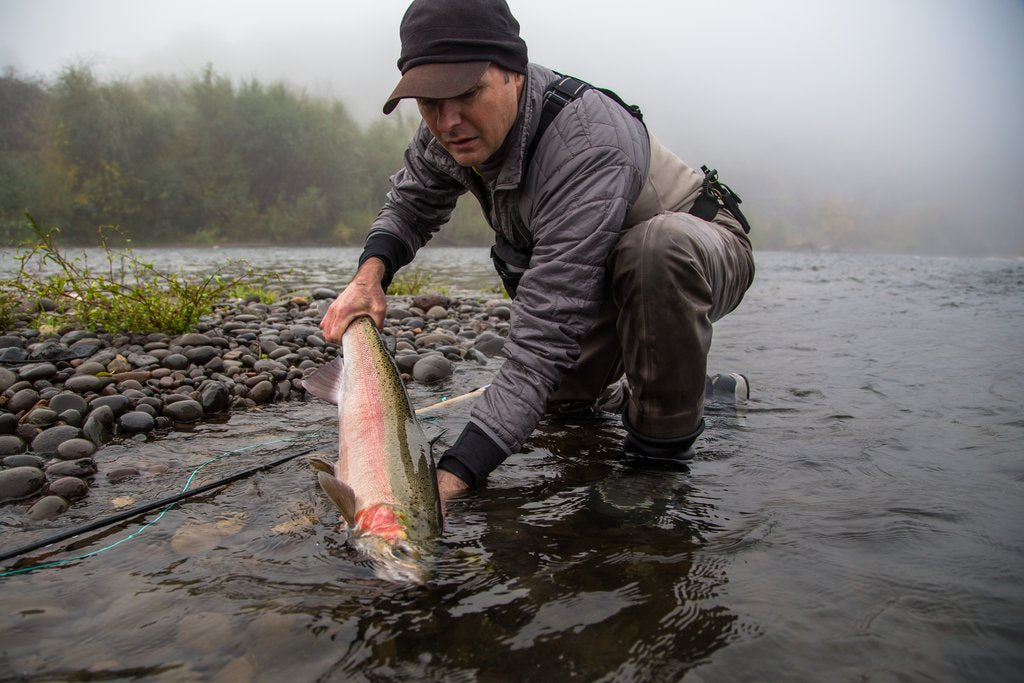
73, 449
68, 401
11, 444
48, 441
432, 369
20, 482
70, 488
184, 411
47, 507
83, 467
136, 421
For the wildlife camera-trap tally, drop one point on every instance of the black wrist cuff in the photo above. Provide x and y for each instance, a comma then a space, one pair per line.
388, 249
473, 456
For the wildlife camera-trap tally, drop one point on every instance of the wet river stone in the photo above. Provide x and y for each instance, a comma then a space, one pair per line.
85, 383
41, 417
11, 444
8, 423
175, 361
137, 421
23, 400
20, 482
214, 397
7, 378
262, 392
23, 460
74, 449
47, 507
117, 403
31, 373
82, 468
69, 488
431, 369
48, 441
68, 401
184, 411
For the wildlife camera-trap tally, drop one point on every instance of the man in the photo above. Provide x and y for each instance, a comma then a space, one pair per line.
595, 233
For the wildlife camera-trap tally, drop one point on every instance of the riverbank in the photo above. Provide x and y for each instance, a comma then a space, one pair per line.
67, 394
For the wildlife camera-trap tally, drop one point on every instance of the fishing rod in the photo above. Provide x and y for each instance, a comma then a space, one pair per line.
189, 493
148, 507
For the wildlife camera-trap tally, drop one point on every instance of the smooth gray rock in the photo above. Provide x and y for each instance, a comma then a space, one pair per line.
41, 417
262, 392
82, 468
432, 369
12, 354
37, 371
186, 410
175, 361
117, 403
136, 421
47, 507
214, 397
68, 401
201, 354
7, 378
192, 339
489, 344
75, 449
23, 460
20, 482
8, 423
83, 384
11, 444
48, 440
23, 400
121, 473
70, 488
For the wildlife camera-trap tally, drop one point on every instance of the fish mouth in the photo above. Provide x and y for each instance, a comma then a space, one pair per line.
393, 559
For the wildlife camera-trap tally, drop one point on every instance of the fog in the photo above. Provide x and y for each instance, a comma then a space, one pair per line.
906, 110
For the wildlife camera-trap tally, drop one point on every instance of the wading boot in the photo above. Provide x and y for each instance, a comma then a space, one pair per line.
727, 389
641, 449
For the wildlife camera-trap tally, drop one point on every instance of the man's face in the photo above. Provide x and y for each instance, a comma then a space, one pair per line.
474, 125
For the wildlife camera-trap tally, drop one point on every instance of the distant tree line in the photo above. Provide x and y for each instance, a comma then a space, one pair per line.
200, 160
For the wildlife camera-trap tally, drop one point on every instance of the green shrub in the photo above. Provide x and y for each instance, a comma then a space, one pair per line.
126, 294
415, 281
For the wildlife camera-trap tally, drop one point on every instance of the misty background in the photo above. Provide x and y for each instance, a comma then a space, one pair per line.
843, 124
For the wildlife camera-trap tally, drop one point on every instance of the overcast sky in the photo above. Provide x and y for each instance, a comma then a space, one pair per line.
875, 101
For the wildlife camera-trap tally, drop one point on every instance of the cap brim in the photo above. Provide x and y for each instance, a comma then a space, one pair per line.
436, 81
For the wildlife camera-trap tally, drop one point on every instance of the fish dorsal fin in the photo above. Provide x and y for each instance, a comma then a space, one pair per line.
341, 495
321, 465
325, 381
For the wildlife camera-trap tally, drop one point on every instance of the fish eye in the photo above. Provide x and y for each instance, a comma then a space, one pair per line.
403, 551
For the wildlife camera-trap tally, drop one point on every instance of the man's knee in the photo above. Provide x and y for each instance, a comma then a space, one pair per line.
667, 250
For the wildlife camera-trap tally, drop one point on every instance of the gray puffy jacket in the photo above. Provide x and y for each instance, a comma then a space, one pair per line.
586, 175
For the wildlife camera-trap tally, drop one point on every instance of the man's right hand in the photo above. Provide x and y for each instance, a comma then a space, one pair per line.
362, 296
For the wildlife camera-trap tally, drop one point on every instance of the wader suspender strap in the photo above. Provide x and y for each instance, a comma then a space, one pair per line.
714, 195
560, 93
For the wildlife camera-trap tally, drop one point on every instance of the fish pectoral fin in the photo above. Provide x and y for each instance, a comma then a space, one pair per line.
325, 381
341, 495
321, 465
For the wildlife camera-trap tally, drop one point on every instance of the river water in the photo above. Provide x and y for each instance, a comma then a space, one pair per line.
860, 518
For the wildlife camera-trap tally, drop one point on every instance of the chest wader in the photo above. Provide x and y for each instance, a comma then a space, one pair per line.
511, 261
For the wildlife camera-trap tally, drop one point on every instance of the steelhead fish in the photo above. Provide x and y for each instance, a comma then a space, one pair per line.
384, 481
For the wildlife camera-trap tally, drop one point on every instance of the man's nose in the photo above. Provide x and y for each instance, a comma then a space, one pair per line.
449, 115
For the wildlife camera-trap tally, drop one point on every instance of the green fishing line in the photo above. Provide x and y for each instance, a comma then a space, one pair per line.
188, 482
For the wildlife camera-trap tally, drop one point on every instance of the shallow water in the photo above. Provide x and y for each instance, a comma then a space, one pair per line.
858, 519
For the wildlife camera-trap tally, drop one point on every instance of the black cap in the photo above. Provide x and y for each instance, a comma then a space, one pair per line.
447, 45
